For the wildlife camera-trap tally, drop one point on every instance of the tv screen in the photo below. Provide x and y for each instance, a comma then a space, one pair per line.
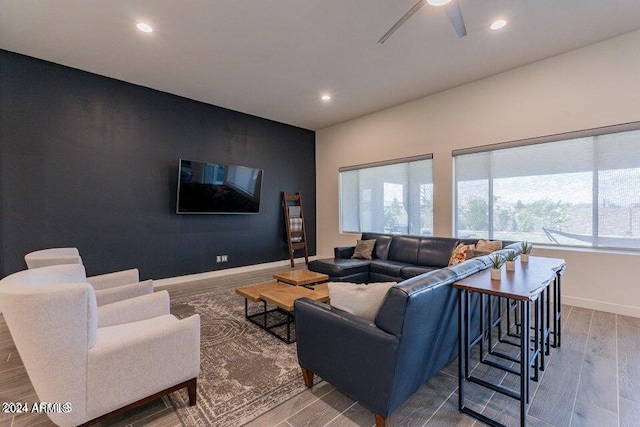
212, 188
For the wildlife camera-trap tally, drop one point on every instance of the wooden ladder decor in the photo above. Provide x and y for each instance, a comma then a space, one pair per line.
294, 222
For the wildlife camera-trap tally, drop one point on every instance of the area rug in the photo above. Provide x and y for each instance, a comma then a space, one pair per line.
244, 371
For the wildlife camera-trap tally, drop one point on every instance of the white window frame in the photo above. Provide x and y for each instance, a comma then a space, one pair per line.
558, 138
358, 167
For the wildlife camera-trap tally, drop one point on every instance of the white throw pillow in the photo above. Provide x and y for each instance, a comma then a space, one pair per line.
362, 300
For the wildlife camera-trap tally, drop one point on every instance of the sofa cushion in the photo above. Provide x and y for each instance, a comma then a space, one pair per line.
474, 253
460, 254
381, 249
364, 249
343, 251
367, 235
409, 272
387, 267
390, 317
505, 243
484, 259
436, 251
362, 277
512, 245
339, 266
467, 268
488, 245
362, 300
404, 249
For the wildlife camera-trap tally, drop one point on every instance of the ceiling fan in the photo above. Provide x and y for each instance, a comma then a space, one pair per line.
453, 11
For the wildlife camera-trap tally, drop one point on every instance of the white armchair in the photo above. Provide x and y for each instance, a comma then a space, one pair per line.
110, 287
119, 286
101, 363
53, 256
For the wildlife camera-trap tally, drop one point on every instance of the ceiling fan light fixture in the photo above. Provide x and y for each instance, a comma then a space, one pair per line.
145, 28
498, 24
453, 12
438, 2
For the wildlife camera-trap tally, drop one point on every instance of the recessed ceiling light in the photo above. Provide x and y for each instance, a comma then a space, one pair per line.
144, 27
326, 97
438, 2
498, 24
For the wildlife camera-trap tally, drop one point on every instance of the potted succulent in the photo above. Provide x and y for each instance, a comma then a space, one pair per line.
511, 260
496, 267
525, 250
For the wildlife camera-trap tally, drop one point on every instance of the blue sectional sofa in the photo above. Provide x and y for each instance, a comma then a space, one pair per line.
414, 334
395, 258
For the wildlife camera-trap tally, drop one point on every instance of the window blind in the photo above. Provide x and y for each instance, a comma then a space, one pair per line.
388, 197
580, 191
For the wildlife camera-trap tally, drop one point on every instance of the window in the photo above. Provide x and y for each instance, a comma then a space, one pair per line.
388, 197
577, 189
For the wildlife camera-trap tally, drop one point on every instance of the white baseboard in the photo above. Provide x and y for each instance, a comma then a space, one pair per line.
217, 273
608, 307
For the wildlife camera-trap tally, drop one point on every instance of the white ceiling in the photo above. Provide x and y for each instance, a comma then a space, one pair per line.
274, 58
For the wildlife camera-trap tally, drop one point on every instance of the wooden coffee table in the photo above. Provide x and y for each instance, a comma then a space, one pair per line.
301, 277
322, 288
283, 297
252, 293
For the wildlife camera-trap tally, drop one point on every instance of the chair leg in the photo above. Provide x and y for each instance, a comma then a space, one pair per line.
381, 421
192, 389
307, 375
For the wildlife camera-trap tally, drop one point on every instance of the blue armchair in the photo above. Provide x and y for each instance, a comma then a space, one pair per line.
382, 363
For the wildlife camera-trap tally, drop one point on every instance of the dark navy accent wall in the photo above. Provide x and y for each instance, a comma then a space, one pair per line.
92, 162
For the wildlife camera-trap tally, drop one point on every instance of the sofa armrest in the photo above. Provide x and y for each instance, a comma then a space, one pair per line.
350, 353
515, 246
110, 280
134, 309
120, 293
344, 251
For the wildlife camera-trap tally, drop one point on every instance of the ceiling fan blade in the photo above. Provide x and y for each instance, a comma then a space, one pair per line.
455, 16
402, 20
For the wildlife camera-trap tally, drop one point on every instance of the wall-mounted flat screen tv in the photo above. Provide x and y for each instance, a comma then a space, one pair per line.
212, 188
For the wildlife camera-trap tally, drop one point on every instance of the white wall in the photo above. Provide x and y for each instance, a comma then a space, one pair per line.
595, 86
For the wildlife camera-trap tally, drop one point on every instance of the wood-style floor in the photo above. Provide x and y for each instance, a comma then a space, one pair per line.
593, 380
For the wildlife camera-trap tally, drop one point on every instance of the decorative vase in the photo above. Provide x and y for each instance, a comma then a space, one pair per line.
496, 273
511, 265
524, 257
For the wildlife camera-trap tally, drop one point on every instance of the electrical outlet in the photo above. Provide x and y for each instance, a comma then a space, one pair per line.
224, 258
221, 258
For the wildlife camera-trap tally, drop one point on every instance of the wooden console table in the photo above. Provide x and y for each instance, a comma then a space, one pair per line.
528, 284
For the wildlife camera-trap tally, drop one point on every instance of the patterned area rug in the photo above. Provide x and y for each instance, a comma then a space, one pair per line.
244, 371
